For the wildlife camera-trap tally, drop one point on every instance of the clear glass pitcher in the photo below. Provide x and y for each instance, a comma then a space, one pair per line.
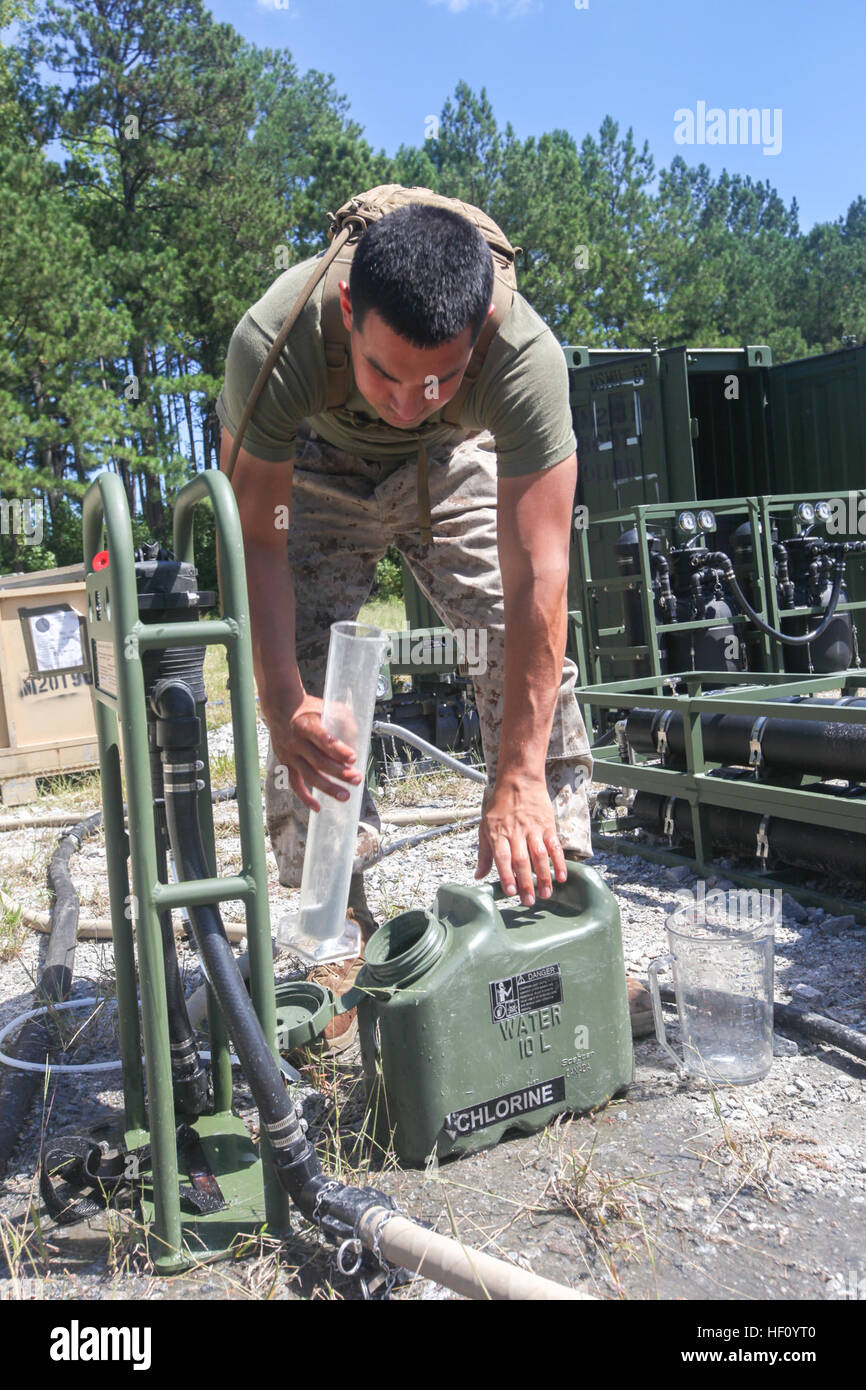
721, 959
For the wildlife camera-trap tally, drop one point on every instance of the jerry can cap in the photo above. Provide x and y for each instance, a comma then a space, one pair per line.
304, 1010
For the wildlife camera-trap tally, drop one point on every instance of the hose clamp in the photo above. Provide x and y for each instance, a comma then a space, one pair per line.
756, 752
662, 734
762, 844
669, 826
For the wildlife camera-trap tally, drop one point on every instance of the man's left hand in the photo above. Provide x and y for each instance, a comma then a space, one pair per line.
518, 832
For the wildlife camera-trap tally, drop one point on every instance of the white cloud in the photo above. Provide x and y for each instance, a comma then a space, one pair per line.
285, 7
510, 9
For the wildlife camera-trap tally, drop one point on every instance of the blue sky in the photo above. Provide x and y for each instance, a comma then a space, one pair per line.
547, 64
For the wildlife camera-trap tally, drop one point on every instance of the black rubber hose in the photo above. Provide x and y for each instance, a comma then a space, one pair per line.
724, 561
18, 1088
189, 1078
606, 739
826, 748
804, 846
177, 735
408, 841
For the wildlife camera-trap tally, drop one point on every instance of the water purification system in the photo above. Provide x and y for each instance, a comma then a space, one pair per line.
202, 1182
748, 583
771, 771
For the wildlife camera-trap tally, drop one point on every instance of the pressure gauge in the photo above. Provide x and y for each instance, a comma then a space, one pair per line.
823, 511
805, 513
706, 520
687, 523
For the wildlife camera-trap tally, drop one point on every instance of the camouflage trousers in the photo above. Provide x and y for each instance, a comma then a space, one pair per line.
344, 513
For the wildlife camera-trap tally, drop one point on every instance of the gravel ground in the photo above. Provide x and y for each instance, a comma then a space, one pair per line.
670, 1192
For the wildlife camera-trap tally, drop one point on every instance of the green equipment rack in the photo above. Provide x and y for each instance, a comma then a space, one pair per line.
697, 693
598, 629
116, 641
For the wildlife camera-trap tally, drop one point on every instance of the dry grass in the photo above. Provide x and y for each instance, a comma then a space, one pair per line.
222, 770
13, 932
612, 1211
742, 1157
387, 613
72, 790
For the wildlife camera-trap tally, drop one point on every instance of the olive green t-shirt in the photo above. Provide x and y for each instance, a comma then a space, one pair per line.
521, 395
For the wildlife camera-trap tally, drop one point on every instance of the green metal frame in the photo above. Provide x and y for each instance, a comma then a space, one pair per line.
117, 640
598, 652
748, 696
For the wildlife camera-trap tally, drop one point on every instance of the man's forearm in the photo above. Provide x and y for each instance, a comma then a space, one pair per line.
272, 621
535, 636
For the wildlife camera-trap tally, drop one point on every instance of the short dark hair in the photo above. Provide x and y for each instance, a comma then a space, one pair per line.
427, 271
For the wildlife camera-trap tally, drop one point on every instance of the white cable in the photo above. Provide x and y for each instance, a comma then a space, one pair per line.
42, 1067
68, 1068
387, 730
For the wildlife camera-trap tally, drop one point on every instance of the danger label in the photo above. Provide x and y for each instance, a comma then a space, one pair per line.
521, 994
507, 1107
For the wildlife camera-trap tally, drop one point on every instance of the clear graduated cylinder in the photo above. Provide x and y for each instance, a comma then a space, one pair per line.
320, 931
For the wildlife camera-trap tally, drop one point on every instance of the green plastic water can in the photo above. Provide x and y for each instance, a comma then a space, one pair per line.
478, 1017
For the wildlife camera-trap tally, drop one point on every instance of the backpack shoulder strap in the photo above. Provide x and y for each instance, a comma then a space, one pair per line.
334, 336
280, 341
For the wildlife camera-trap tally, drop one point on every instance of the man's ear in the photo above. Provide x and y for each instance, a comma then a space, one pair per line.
346, 305
490, 310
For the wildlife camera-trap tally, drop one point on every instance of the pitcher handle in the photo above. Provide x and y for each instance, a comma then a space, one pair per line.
658, 1018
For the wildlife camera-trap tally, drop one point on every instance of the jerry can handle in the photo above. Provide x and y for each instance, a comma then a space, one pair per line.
658, 1018
583, 889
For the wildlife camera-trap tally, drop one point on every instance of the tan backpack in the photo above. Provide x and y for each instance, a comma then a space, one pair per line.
347, 226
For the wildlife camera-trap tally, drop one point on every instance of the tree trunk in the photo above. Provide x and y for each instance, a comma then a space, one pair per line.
154, 509
188, 411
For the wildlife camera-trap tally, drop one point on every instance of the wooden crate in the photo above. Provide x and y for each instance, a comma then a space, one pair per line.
46, 712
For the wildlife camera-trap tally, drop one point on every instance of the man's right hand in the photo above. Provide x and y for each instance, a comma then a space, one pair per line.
312, 756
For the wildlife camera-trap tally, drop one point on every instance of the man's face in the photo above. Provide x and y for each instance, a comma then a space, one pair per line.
404, 384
